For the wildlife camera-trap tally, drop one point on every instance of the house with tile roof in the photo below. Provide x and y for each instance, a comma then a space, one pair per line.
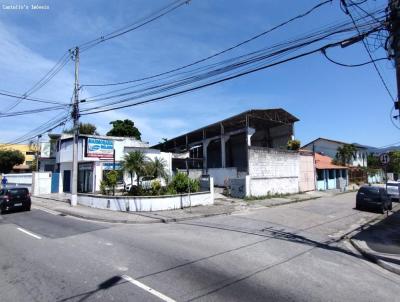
329, 175
329, 148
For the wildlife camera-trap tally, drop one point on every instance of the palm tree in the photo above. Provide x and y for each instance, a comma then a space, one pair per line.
346, 153
135, 163
157, 168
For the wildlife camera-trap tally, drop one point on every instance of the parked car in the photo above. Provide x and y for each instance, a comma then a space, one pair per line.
15, 198
393, 189
373, 197
145, 182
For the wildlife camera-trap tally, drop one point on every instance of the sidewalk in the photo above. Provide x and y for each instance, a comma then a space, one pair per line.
60, 203
381, 242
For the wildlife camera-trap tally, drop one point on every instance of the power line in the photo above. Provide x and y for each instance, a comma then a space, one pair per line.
43, 81
347, 11
220, 52
323, 51
12, 95
138, 24
231, 66
229, 61
87, 112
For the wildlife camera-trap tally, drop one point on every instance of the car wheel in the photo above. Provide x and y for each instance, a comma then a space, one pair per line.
28, 208
383, 208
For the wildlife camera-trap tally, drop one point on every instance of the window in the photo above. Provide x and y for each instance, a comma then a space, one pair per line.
30, 153
331, 174
320, 175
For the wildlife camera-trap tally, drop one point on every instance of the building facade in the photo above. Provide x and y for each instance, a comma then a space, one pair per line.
246, 152
329, 148
29, 151
330, 176
96, 155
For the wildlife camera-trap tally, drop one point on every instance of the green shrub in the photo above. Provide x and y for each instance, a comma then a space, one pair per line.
109, 182
182, 183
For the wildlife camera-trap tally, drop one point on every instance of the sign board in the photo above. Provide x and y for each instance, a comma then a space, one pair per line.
45, 151
100, 148
384, 158
110, 166
85, 166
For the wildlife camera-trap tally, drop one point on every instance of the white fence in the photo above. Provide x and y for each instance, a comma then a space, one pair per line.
41, 183
19, 180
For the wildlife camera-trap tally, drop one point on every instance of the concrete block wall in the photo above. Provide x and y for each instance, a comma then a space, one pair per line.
272, 171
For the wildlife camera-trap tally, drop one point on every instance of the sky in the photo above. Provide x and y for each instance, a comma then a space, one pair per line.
347, 104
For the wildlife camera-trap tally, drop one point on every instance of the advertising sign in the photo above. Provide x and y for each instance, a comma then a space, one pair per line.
110, 166
101, 148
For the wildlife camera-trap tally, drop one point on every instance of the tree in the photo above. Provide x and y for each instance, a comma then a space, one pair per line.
135, 163
9, 159
373, 161
345, 154
394, 164
125, 128
156, 168
293, 144
84, 128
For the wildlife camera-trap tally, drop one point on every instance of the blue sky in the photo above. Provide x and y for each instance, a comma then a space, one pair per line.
348, 104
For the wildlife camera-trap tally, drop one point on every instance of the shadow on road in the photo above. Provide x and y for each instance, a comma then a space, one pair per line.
113, 281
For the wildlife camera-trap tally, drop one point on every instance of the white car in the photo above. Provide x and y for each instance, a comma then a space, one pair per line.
393, 189
145, 183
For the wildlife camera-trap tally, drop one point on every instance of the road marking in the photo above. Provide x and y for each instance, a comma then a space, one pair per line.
29, 233
46, 210
148, 289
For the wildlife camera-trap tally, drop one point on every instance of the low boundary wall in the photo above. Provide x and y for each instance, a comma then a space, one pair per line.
146, 203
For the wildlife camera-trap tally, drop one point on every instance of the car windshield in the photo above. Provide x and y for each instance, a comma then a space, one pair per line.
370, 190
15, 192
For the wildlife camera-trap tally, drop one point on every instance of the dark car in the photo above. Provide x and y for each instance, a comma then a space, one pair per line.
15, 198
373, 197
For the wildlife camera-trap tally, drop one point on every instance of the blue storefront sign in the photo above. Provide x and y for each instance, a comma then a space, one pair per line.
101, 148
110, 166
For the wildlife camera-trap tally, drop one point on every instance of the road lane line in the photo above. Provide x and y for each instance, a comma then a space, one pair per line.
46, 210
29, 233
148, 289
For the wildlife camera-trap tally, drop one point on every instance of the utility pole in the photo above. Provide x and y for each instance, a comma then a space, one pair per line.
38, 152
394, 28
75, 116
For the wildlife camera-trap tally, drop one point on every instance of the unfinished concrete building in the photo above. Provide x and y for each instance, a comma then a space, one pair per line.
246, 152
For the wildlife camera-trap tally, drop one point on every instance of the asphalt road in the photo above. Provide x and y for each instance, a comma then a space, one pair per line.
286, 253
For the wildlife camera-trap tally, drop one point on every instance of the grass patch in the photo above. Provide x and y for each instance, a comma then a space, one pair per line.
268, 196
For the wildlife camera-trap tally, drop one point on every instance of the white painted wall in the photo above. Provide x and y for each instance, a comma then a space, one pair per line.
221, 176
272, 171
151, 154
41, 183
306, 173
19, 180
146, 203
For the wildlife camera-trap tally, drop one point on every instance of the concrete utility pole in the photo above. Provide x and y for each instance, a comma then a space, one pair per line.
394, 18
75, 116
38, 152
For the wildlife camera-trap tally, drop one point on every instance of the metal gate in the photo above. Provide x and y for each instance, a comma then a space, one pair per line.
55, 182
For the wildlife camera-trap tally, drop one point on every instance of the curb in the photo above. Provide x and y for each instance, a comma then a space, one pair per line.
367, 253
160, 219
